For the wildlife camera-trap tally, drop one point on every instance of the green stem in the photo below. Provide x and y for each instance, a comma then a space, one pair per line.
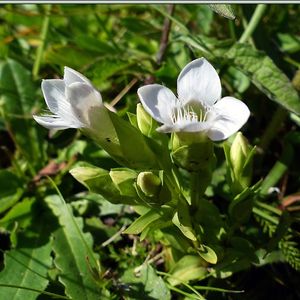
265, 216
43, 36
272, 128
269, 208
255, 19
231, 29
278, 169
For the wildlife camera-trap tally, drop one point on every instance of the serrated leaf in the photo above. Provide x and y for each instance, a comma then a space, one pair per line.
265, 75
223, 10
28, 264
74, 256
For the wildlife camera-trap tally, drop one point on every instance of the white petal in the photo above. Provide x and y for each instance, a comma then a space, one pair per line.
199, 81
54, 94
232, 115
83, 98
71, 76
158, 101
54, 122
185, 127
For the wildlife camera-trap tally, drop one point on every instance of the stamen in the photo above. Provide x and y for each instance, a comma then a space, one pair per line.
186, 113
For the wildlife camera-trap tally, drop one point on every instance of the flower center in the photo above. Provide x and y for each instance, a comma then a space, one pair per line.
190, 113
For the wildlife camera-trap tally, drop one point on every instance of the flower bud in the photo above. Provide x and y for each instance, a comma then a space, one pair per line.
145, 122
152, 189
149, 183
241, 161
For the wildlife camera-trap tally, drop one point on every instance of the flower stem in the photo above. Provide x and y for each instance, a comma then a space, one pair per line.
255, 19
43, 36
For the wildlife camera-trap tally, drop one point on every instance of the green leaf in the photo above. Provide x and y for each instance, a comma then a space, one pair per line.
223, 10
148, 285
136, 152
20, 213
28, 264
143, 221
265, 75
208, 254
17, 103
185, 226
124, 179
10, 189
99, 181
74, 256
281, 230
240, 208
189, 267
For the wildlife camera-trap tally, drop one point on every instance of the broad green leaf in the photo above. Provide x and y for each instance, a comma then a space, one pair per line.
224, 10
265, 75
27, 265
10, 189
148, 285
189, 267
74, 256
17, 100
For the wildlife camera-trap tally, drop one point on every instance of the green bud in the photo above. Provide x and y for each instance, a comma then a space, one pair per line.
151, 188
193, 152
145, 122
241, 161
149, 183
239, 152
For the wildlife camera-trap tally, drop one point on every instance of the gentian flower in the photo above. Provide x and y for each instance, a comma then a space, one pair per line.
70, 101
198, 107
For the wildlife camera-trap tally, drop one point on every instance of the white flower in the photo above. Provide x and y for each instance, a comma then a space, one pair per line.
199, 107
70, 101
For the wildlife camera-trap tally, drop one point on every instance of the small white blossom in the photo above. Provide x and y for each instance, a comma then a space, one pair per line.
70, 101
198, 107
